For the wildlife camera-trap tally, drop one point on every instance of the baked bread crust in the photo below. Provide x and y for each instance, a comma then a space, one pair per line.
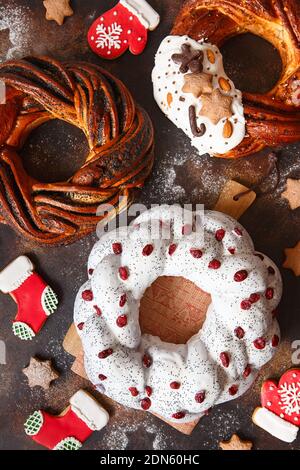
119, 134
272, 118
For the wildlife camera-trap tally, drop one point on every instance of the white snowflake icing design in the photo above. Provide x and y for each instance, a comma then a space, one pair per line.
109, 36
290, 398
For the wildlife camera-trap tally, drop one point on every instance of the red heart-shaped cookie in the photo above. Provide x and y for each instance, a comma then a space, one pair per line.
283, 399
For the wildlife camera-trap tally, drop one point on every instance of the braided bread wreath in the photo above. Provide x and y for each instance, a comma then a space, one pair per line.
119, 135
257, 120
240, 333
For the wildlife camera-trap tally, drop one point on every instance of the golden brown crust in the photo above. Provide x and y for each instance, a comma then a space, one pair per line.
119, 134
272, 118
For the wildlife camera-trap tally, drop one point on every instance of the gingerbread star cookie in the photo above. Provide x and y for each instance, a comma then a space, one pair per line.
292, 193
216, 106
236, 443
197, 84
293, 259
57, 10
40, 373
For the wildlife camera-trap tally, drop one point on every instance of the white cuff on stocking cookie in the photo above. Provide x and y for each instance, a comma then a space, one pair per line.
280, 411
72, 427
124, 26
34, 297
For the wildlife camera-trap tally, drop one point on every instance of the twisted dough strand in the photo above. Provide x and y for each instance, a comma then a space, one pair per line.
119, 134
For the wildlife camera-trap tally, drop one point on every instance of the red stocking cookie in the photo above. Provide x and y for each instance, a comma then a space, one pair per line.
280, 412
72, 427
124, 26
35, 299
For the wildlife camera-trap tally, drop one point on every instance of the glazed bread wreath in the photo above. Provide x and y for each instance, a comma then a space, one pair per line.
270, 119
119, 135
239, 335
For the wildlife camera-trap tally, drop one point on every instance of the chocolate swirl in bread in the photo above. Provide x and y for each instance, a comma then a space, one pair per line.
119, 135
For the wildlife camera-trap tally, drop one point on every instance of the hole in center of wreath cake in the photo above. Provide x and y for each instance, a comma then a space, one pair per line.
174, 309
253, 64
54, 151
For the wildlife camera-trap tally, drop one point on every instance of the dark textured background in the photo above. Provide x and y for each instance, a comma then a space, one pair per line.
180, 175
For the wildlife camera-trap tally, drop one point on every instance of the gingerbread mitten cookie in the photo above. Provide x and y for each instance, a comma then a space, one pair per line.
279, 414
124, 26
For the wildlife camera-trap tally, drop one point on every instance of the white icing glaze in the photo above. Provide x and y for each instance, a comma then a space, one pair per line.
147, 16
195, 365
167, 78
275, 425
89, 410
13, 276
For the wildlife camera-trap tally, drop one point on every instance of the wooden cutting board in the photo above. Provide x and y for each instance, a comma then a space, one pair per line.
173, 308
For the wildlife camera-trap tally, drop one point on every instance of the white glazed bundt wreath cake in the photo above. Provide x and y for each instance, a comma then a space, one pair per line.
240, 333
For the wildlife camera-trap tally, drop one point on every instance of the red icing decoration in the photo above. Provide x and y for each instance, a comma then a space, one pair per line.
147, 361
179, 415
134, 391
28, 298
225, 359
87, 295
117, 248
239, 332
214, 264
240, 276
247, 371
220, 234
115, 31
283, 399
175, 385
233, 390
146, 403
147, 250
200, 396
123, 272
97, 310
246, 304
121, 321
172, 249
57, 428
123, 300
196, 253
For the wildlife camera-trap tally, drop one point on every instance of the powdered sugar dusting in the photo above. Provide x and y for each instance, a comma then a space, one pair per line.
17, 20
163, 188
118, 434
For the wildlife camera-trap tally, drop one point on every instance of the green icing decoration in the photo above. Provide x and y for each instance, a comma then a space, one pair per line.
34, 423
70, 443
23, 331
49, 300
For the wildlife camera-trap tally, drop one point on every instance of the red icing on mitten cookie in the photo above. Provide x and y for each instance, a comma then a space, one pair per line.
124, 26
280, 415
284, 399
72, 428
35, 299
